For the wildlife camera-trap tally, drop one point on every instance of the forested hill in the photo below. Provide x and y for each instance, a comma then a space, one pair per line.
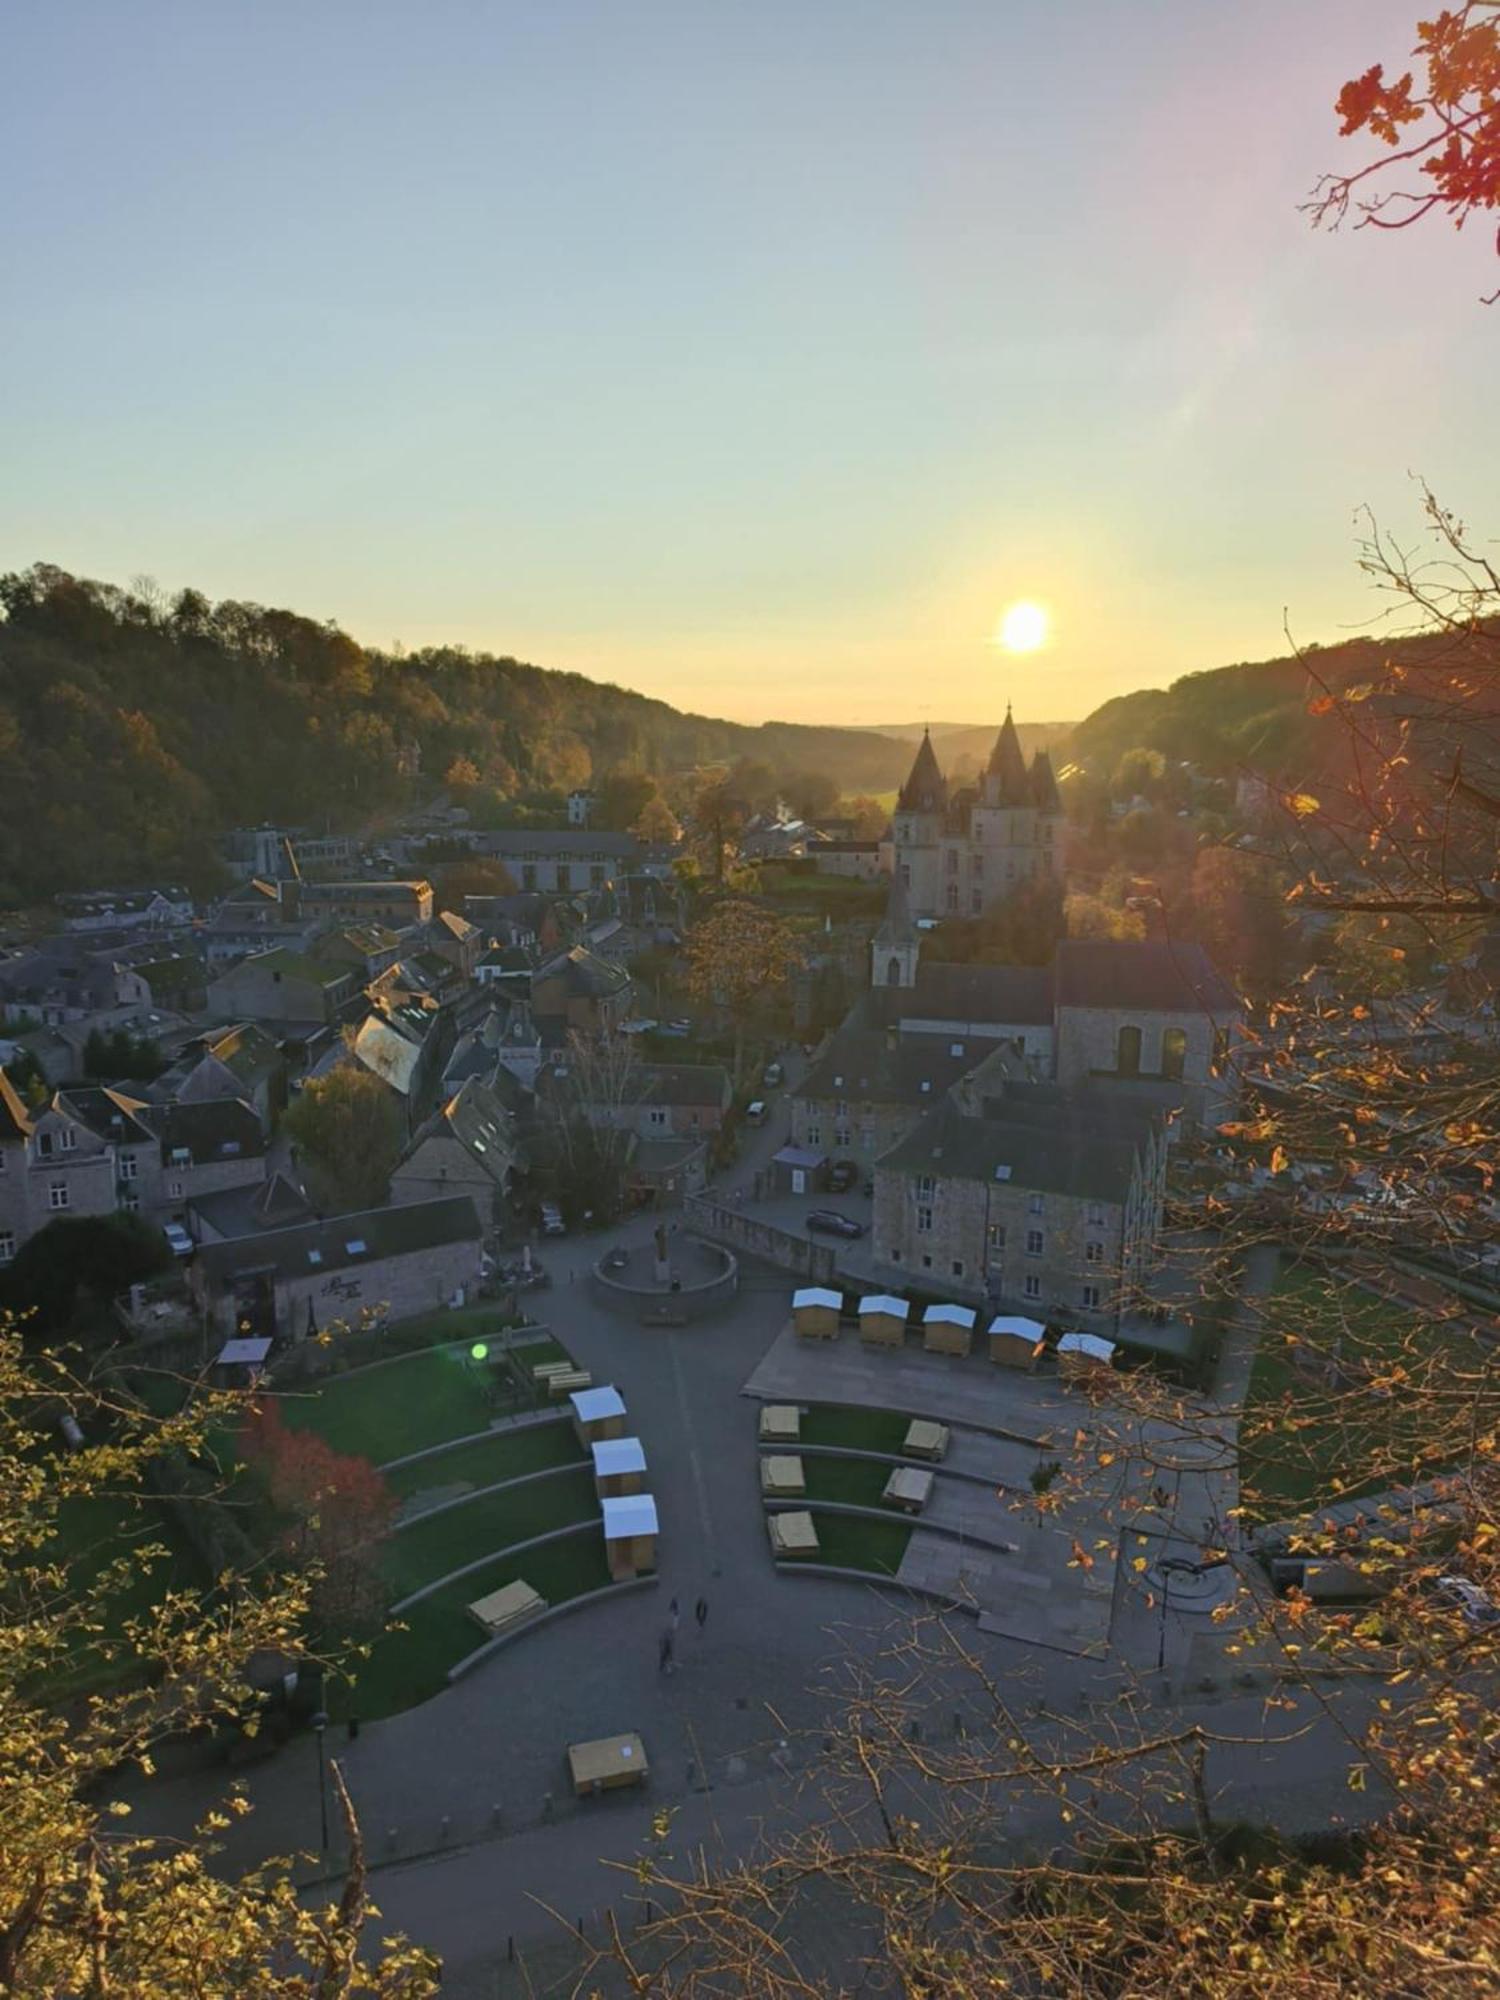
1258, 716
134, 729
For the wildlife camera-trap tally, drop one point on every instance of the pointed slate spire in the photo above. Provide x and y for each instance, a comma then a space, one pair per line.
1009, 766
925, 789
1044, 793
896, 926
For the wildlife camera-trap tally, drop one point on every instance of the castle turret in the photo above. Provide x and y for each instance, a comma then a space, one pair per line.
1005, 776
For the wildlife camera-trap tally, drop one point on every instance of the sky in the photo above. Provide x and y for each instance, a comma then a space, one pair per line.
756, 357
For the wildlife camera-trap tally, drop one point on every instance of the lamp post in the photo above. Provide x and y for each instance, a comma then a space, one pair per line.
320, 1723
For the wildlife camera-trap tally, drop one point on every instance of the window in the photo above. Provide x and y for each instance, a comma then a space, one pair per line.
1173, 1051
893, 973
596, 875
1221, 1050
1091, 1298
906, 874
841, 1138
840, 1104
1093, 1253
528, 874
1036, 1242
814, 1135
1035, 1205
926, 1186
7, 1246
658, 1116
67, 1139
1128, 1052
895, 1253
955, 1048
924, 1222
58, 1195
926, 1261
976, 862
1095, 1215
997, 1240
1010, 868
129, 1166
44, 1144
564, 877
952, 898
130, 1201
1033, 1286
958, 1267
952, 860
174, 1189
976, 900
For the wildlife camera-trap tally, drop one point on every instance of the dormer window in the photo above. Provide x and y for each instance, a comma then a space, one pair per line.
67, 1139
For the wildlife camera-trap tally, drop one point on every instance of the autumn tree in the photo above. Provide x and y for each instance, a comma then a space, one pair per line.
811, 794
477, 875
1235, 906
86, 1906
657, 823
869, 816
1438, 125
740, 957
347, 1131
622, 797
336, 1509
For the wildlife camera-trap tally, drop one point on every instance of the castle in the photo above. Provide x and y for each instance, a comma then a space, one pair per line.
957, 854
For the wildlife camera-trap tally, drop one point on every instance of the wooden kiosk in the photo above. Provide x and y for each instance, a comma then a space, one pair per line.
1016, 1342
948, 1329
882, 1320
606, 1764
619, 1467
630, 1531
597, 1414
1085, 1357
815, 1312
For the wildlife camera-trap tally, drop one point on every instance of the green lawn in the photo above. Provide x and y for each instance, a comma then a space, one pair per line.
385, 1412
1305, 1440
501, 1455
411, 1666
852, 1543
437, 1543
858, 1482
855, 1429
94, 1530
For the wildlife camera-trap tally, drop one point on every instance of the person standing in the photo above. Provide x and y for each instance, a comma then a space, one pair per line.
700, 1612
664, 1653
676, 1615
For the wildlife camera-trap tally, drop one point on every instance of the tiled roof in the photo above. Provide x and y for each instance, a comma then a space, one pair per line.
344, 1241
1067, 1154
866, 1066
1155, 975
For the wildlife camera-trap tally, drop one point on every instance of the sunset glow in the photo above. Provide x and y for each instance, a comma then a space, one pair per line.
1023, 628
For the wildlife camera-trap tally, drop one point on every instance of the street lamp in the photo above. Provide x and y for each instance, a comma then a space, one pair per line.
320, 1723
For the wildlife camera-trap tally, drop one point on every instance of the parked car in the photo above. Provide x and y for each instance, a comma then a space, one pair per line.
616, 1259
552, 1220
679, 1030
178, 1241
771, 1075
755, 1112
828, 1222
1478, 1607
841, 1176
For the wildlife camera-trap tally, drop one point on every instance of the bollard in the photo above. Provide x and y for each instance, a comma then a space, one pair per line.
546, 1805
390, 1838
444, 1825
510, 1948
494, 1815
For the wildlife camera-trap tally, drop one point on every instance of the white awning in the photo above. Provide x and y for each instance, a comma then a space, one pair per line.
882, 1302
817, 1295
613, 1456
589, 1405
948, 1316
243, 1353
1091, 1344
1029, 1330
628, 1514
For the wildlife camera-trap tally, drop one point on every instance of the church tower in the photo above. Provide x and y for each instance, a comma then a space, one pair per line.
896, 946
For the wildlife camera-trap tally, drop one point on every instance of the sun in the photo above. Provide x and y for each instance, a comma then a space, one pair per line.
1023, 627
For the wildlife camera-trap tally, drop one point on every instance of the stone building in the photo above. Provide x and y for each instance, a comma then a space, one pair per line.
959, 851
1039, 1200
51, 1164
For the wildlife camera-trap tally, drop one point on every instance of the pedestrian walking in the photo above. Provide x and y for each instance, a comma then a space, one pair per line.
676, 1614
700, 1612
664, 1654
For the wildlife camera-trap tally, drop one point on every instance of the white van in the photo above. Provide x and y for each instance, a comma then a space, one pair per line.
755, 1114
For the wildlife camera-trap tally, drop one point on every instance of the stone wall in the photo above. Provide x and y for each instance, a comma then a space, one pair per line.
750, 1237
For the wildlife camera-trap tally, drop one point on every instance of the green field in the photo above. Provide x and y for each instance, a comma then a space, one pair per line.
412, 1665
857, 1482
94, 1530
501, 1455
434, 1544
850, 1542
1305, 1440
399, 1407
855, 1429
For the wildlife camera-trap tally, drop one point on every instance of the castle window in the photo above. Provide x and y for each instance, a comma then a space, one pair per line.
1091, 1298
1128, 1052
893, 973
953, 896
952, 860
976, 900
976, 862
924, 1222
1173, 1051
1036, 1242
905, 875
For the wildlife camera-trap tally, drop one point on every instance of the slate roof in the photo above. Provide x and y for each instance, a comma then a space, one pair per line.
684, 1083
251, 1211
926, 789
401, 1231
1155, 975
583, 975
861, 1066
219, 1128
291, 965
1008, 764
999, 995
111, 1115
579, 841
1066, 1154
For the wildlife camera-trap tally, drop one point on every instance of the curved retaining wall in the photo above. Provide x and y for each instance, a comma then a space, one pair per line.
625, 1293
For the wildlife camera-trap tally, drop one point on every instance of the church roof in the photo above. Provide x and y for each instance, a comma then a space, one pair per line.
1162, 976
896, 926
1009, 766
1044, 795
926, 789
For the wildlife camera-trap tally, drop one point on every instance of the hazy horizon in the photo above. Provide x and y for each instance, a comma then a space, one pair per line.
755, 361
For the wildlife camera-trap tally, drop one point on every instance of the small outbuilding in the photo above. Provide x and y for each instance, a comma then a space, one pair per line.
908, 1488
815, 1312
239, 1364
619, 1466
948, 1329
1084, 1357
609, 1762
1016, 1342
882, 1320
630, 1532
782, 1477
925, 1439
780, 1423
597, 1413
792, 1533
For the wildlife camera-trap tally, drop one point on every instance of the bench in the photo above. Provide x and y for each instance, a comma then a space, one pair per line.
565, 1384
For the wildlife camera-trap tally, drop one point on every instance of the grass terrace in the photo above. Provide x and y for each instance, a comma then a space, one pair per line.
434, 1544
425, 1398
502, 1455
851, 1542
855, 1482
855, 1429
94, 1530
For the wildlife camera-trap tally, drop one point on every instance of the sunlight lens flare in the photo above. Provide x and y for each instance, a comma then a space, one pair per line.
1022, 628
